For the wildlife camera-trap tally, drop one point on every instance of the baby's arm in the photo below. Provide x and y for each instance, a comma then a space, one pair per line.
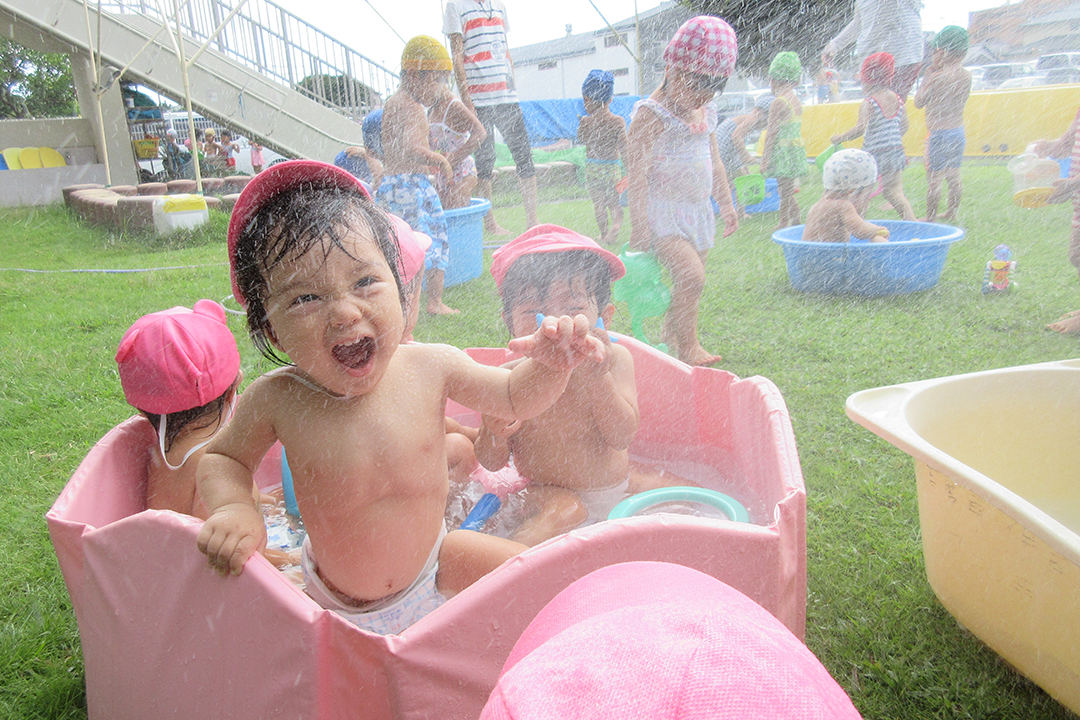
721, 190
860, 228
611, 393
463, 119
532, 386
860, 125
235, 529
417, 149
644, 129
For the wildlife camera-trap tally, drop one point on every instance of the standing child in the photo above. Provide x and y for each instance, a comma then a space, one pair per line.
674, 169
361, 415
455, 132
405, 189
256, 156
604, 135
784, 156
229, 150
1069, 143
884, 121
944, 92
731, 141
848, 177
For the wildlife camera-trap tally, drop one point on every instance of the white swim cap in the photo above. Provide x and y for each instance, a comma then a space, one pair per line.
849, 170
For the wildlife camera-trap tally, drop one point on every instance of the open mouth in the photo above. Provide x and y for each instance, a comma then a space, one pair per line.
355, 355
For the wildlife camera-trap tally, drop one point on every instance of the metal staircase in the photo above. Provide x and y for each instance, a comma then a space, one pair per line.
267, 74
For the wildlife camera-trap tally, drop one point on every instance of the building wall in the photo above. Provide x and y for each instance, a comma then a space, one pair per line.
561, 78
1002, 24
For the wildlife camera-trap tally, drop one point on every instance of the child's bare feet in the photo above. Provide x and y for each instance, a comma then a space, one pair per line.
441, 308
949, 216
700, 358
1068, 324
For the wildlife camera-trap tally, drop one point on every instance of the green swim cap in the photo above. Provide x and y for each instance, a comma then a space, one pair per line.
786, 67
952, 38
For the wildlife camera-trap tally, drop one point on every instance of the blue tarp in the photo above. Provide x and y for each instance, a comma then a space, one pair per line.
549, 120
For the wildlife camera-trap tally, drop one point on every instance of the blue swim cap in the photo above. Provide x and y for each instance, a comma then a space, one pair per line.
373, 131
599, 85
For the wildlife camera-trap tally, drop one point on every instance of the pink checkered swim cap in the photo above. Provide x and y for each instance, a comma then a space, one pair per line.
704, 44
177, 359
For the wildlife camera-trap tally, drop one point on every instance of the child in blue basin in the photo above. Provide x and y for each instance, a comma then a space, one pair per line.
360, 414
848, 177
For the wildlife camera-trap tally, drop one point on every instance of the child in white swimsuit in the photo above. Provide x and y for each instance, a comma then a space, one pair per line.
456, 135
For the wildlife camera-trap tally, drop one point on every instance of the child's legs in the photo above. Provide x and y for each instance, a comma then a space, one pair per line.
952, 178
467, 556
789, 205
549, 511
933, 192
599, 210
687, 268
460, 458
459, 194
892, 187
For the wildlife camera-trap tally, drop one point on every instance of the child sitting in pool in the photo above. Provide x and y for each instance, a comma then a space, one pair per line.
848, 177
316, 265
180, 369
574, 454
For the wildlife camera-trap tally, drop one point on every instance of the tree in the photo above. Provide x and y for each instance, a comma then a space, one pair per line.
340, 90
35, 84
766, 27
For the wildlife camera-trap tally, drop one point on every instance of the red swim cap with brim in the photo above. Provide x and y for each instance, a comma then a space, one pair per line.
294, 173
549, 239
878, 69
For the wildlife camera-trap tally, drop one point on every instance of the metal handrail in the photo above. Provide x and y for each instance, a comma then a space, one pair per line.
279, 45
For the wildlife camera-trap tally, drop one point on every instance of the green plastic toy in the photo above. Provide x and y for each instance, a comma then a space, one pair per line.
825, 155
750, 189
643, 290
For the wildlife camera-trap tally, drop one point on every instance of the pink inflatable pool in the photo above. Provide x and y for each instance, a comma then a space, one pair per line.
162, 635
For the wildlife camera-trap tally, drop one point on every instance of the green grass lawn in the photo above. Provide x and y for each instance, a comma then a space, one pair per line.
871, 617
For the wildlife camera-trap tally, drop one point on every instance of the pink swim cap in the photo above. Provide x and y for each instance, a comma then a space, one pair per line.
878, 69
549, 239
178, 359
413, 244
704, 44
665, 642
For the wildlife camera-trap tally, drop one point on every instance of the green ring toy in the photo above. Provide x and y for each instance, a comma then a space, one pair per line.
725, 504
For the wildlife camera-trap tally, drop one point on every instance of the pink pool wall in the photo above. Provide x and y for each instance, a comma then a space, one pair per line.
163, 636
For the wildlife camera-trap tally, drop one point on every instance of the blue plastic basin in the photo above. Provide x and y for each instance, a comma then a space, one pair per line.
911, 261
465, 231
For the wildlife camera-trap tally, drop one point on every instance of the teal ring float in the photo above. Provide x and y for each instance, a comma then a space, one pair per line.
636, 503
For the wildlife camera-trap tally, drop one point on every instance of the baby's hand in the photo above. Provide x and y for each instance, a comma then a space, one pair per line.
231, 535
446, 169
500, 427
560, 343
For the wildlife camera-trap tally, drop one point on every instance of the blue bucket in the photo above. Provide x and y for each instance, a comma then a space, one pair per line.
911, 261
465, 230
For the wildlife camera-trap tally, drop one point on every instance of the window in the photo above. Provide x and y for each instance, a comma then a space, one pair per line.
621, 72
548, 65
613, 40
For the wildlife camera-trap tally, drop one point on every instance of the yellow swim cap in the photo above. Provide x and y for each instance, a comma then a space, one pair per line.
425, 53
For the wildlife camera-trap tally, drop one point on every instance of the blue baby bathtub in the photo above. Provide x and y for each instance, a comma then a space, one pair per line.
911, 261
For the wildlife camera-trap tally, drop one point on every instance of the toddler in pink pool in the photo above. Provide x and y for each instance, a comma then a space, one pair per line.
317, 266
576, 453
180, 369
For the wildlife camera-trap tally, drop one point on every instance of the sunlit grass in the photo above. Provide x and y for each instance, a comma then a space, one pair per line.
871, 617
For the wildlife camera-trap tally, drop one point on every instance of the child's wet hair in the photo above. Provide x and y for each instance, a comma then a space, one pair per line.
537, 271
307, 218
207, 415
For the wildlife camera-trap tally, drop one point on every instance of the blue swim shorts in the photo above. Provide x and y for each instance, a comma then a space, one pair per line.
413, 199
944, 149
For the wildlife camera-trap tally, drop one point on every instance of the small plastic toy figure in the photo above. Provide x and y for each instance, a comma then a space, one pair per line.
996, 278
